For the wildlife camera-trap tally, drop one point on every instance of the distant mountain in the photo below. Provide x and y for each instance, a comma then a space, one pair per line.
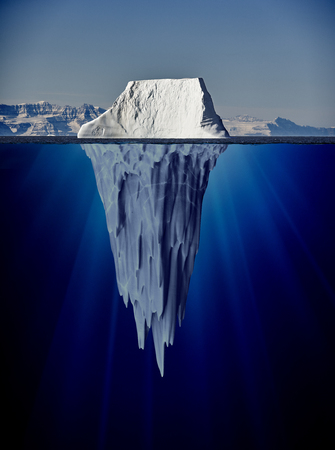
284, 127
251, 126
44, 119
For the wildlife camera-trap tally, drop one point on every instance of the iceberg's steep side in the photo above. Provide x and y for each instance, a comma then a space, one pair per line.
167, 108
152, 195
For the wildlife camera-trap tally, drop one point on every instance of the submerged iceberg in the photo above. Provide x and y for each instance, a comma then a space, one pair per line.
166, 108
152, 196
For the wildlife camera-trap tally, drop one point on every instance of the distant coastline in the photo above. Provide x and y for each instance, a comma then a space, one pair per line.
45, 119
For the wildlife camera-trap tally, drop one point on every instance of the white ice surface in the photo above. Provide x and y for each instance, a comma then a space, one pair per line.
152, 196
166, 108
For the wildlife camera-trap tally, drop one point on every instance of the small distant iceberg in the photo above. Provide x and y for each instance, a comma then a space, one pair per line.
166, 108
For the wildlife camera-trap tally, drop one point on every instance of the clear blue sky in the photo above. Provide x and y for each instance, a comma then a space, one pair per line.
266, 58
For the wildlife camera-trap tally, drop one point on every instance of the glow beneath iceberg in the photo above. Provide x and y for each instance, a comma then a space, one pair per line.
152, 196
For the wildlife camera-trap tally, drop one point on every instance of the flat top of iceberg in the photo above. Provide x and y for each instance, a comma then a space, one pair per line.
163, 108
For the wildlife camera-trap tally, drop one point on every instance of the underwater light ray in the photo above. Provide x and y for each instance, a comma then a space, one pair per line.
244, 224
272, 242
238, 306
274, 235
233, 278
148, 395
109, 371
252, 384
52, 188
71, 350
301, 241
196, 342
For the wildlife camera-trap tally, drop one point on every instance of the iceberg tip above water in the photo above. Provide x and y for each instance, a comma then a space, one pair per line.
165, 108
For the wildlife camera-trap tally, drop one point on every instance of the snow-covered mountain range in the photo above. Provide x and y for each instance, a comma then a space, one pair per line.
251, 126
45, 119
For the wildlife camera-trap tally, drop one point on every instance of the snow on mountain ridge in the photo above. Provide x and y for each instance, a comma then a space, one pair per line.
251, 126
45, 119
244, 118
245, 125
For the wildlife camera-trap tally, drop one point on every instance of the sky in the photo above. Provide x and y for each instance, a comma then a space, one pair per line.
265, 58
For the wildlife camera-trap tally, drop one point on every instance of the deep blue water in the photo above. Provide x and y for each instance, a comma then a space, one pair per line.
253, 365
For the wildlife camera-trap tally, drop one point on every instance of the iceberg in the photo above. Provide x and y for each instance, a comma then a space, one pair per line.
152, 196
165, 108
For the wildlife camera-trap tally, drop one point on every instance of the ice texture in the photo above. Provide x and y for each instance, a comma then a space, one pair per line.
152, 196
166, 108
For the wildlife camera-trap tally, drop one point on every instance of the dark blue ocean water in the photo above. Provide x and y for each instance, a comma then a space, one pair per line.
253, 365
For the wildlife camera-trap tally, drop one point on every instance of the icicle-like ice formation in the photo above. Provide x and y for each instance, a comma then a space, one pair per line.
152, 195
